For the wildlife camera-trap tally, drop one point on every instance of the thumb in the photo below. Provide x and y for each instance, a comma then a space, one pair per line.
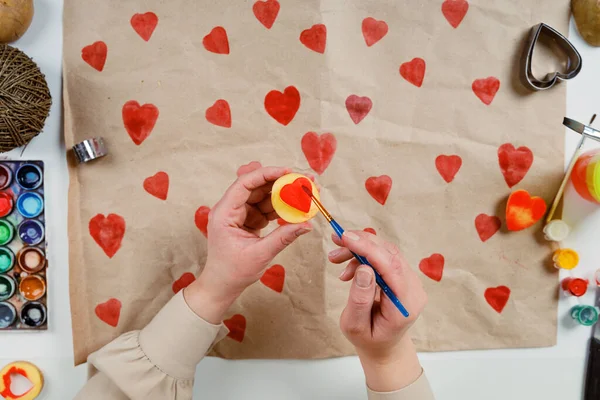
356, 318
280, 238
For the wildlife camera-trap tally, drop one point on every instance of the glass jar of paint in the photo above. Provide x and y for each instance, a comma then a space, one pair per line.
7, 232
30, 259
586, 176
585, 315
31, 232
8, 314
7, 259
574, 286
29, 176
6, 204
6, 177
32, 287
29, 204
7, 287
33, 314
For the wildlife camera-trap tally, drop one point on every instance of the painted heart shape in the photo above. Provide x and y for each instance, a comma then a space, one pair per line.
95, 55
486, 89
266, 12
201, 219
414, 71
514, 163
358, 107
219, 114
433, 266
108, 232
318, 150
487, 226
216, 41
315, 38
454, 11
274, 278
497, 297
237, 327
370, 230
109, 312
184, 281
379, 187
144, 24
373, 30
523, 211
157, 185
294, 195
139, 120
448, 166
251, 166
283, 106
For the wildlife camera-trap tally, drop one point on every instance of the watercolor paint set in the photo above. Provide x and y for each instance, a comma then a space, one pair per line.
23, 265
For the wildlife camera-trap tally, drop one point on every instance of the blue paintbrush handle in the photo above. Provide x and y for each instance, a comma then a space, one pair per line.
384, 286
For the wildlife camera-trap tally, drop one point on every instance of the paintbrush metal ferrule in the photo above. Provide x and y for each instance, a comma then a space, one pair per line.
322, 209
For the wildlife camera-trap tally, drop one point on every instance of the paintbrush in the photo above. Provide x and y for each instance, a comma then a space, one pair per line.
340, 231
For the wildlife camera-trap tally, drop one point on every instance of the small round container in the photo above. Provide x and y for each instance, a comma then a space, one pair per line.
31, 259
565, 258
6, 204
556, 230
32, 287
30, 204
8, 314
7, 259
33, 314
6, 177
7, 287
585, 315
31, 232
575, 286
29, 176
7, 232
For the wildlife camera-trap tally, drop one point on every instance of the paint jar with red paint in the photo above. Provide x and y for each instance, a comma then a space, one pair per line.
586, 176
574, 286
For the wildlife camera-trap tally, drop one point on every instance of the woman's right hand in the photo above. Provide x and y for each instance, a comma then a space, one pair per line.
370, 320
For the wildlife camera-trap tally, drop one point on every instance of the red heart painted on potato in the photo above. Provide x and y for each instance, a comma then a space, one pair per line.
487, 226
370, 230
219, 114
294, 195
433, 266
486, 89
414, 71
139, 120
144, 24
108, 232
448, 166
497, 297
373, 30
358, 107
379, 187
266, 12
315, 38
283, 106
95, 55
216, 41
455, 11
523, 211
514, 163
274, 278
184, 281
157, 185
251, 166
237, 327
318, 150
109, 312
201, 219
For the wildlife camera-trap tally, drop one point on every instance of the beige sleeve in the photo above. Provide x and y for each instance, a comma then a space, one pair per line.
418, 390
158, 362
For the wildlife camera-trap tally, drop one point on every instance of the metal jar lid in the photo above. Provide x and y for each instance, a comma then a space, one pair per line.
90, 149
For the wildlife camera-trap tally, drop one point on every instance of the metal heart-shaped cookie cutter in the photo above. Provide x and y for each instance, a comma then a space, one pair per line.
574, 60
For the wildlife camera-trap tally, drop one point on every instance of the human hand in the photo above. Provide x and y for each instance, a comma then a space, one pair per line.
237, 254
370, 321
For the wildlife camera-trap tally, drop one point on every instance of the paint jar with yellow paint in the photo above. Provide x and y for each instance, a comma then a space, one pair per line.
565, 259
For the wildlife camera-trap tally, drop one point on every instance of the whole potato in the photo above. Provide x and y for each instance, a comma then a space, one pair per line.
15, 18
587, 19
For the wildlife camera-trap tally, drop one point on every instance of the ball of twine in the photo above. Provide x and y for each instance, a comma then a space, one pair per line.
24, 98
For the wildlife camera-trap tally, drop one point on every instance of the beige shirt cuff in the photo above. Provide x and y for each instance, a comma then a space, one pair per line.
418, 390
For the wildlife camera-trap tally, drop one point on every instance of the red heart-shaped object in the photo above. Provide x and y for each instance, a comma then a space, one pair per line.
274, 277
281, 222
433, 266
455, 11
448, 166
379, 187
370, 230
184, 281
266, 12
318, 150
139, 120
514, 163
358, 107
144, 24
251, 166
216, 41
108, 232
158, 185
414, 71
315, 38
373, 30
487, 226
201, 219
95, 55
237, 327
293, 195
283, 106
486, 89
497, 297
219, 114
523, 211
109, 312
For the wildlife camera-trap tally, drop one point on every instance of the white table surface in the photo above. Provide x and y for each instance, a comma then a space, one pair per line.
549, 373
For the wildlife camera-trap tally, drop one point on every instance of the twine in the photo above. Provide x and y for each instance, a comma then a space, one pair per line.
24, 99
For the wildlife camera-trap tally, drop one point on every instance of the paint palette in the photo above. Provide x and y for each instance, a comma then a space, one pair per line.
23, 285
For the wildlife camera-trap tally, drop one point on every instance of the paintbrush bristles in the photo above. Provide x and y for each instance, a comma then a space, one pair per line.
325, 213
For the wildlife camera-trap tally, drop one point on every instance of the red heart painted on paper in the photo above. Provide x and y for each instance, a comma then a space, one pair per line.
95, 55
358, 107
158, 185
523, 210
184, 281
318, 150
486, 89
487, 226
266, 12
216, 41
433, 266
236, 326
370, 230
283, 106
281, 222
379, 187
455, 11
251, 166
294, 195
219, 114
144, 24
139, 120
514, 163
315, 38
109, 312
201, 219
373, 30
274, 277
448, 166
413, 71
497, 297
108, 232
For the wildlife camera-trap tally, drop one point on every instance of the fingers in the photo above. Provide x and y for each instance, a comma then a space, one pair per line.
386, 258
261, 194
348, 272
276, 241
240, 191
342, 254
338, 256
356, 317
255, 219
